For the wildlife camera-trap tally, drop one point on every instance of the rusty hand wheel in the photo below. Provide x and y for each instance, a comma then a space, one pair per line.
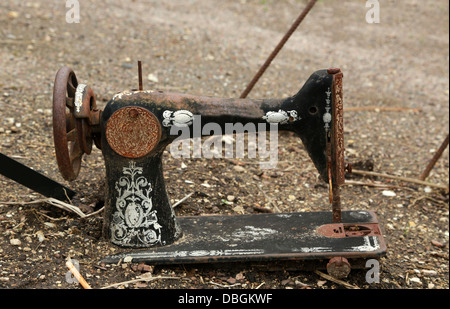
71, 135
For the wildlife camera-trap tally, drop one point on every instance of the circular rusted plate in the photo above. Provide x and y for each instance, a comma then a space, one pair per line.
133, 132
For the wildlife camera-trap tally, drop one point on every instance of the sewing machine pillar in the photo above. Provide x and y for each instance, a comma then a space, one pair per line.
138, 212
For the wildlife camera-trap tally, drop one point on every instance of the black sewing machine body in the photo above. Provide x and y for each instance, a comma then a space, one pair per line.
135, 128
307, 107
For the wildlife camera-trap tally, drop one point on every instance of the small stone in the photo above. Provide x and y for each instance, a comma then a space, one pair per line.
390, 226
415, 280
429, 273
40, 236
238, 209
240, 276
437, 243
15, 242
389, 193
153, 78
231, 198
10, 120
49, 224
144, 267
238, 169
140, 284
286, 281
13, 14
128, 259
127, 65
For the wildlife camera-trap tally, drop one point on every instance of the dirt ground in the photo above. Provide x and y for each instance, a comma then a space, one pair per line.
215, 48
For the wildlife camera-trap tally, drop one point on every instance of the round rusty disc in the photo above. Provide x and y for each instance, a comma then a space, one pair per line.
133, 132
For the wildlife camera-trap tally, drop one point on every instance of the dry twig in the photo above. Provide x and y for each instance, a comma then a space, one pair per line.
57, 203
182, 200
381, 108
269, 199
434, 160
140, 279
370, 184
48, 217
414, 202
401, 178
225, 285
340, 282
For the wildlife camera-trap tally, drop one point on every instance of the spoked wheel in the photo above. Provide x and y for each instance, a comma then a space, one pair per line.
66, 128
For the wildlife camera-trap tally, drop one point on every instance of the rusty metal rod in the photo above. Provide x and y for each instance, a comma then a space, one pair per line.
278, 48
433, 160
140, 75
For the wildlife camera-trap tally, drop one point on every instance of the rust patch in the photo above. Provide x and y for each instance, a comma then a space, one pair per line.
341, 230
133, 132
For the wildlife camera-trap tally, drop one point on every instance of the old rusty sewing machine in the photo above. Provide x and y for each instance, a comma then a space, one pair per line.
134, 129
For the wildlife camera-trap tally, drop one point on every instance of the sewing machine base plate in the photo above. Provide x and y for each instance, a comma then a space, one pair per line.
267, 237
